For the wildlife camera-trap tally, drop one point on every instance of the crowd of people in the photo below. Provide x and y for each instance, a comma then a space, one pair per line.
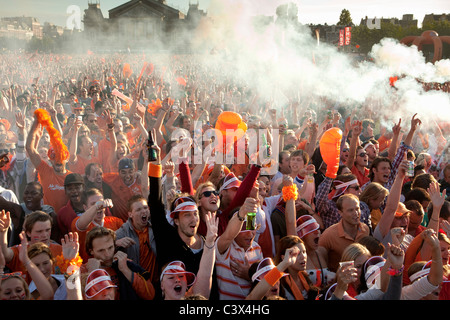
91, 210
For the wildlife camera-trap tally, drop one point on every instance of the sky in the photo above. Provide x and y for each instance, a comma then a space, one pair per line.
310, 11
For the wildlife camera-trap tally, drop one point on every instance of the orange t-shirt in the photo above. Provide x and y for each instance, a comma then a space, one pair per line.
109, 222
81, 164
121, 193
52, 185
17, 266
147, 258
363, 178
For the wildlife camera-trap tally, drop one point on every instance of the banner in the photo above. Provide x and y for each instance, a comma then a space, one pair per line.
341, 37
348, 35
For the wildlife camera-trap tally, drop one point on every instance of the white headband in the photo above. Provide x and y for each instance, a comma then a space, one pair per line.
261, 271
183, 205
171, 267
371, 276
419, 274
226, 184
304, 224
346, 184
368, 145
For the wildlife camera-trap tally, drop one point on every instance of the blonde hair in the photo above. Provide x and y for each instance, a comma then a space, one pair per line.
372, 191
353, 251
200, 188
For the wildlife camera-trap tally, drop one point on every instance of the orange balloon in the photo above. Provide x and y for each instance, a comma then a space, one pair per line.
330, 150
229, 120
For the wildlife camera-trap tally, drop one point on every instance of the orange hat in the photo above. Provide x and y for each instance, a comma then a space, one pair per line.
97, 281
401, 210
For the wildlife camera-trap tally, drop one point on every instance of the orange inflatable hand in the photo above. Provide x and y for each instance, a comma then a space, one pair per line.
330, 149
229, 120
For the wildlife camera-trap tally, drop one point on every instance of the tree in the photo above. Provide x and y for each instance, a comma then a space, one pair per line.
345, 18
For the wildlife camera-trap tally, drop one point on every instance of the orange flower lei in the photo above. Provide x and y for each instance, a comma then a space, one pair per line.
290, 192
63, 265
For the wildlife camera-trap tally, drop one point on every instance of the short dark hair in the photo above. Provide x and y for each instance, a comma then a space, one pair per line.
133, 199
418, 194
89, 192
375, 164
98, 232
301, 153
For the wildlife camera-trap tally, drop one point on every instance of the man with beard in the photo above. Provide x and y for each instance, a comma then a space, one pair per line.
32, 201
94, 215
51, 176
137, 238
74, 188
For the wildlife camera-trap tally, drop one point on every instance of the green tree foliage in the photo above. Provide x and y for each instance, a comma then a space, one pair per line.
345, 18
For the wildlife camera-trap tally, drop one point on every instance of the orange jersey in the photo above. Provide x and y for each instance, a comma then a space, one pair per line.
53, 186
81, 164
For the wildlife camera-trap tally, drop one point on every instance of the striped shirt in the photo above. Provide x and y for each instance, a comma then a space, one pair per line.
231, 287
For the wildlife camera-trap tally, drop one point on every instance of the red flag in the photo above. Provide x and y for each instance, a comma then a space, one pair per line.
181, 81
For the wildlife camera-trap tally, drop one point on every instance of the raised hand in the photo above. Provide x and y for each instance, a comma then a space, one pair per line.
212, 225
5, 220
395, 255
70, 245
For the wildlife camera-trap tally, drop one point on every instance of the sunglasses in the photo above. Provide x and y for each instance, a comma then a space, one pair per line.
362, 154
345, 149
207, 194
11, 275
355, 187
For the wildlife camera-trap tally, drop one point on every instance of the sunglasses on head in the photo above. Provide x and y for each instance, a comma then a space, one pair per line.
11, 275
209, 193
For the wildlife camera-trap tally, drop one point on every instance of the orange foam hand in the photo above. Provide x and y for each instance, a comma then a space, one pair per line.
232, 121
330, 149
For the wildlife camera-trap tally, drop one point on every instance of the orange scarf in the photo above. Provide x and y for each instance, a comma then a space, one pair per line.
294, 288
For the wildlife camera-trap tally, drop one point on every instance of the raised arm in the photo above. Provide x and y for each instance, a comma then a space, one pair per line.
42, 284
274, 275
5, 223
235, 224
290, 197
393, 199
88, 216
354, 142
205, 271
32, 142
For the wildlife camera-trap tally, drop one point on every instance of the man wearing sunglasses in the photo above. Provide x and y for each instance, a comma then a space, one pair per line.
360, 169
